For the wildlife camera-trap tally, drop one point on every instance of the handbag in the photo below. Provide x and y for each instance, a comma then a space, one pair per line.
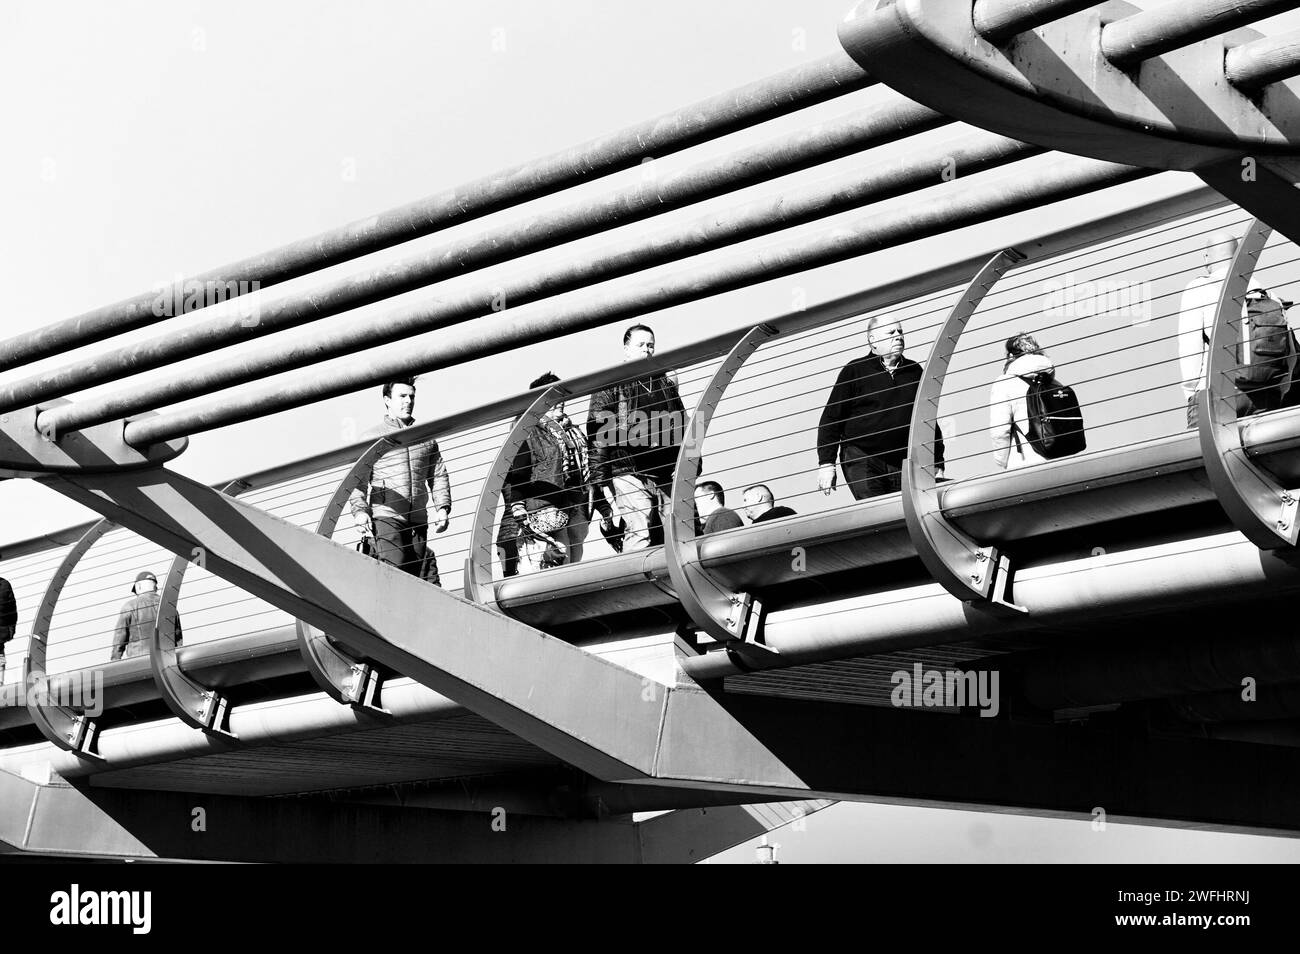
547, 520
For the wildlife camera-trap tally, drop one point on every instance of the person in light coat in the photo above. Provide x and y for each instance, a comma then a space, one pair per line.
1008, 417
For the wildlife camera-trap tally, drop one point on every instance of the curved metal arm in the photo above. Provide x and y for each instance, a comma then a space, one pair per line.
74, 731
196, 705
478, 565
963, 567
1258, 506
732, 618
344, 677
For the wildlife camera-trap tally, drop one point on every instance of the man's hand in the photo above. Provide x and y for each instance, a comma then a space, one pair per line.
826, 478
363, 524
441, 516
519, 511
612, 502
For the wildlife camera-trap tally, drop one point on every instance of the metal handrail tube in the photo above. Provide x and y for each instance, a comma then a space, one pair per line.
895, 119
1000, 20
1267, 60
846, 191
975, 202
1171, 26
778, 95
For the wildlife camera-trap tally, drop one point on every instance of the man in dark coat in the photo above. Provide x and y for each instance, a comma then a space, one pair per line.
634, 431
866, 418
8, 620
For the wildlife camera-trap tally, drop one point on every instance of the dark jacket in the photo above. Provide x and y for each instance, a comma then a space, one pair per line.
545, 471
870, 409
636, 427
776, 513
722, 519
8, 607
134, 630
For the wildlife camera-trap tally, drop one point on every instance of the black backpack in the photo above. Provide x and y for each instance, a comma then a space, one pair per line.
1055, 421
1262, 371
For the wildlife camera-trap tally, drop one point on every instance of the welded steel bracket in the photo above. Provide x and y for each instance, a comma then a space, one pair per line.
1257, 504
199, 707
733, 618
26, 451
1054, 87
482, 542
340, 671
68, 727
965, 568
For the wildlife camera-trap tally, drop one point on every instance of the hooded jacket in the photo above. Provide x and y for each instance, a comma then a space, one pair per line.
398, 485
1008, 415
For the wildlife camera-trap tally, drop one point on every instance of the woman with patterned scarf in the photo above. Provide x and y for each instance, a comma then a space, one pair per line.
549, 494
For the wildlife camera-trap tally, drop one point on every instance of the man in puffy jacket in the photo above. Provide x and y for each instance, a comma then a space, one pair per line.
634, 430
135, 623
404, 493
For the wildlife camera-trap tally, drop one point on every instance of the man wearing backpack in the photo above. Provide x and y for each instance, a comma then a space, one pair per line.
1032, 416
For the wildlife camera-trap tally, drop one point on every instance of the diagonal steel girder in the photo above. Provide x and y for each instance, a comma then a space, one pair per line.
602, 718
58, 818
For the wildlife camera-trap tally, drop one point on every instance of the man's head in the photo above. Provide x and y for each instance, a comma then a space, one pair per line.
399, 399
638, 343
1218, 250
557, 409
709, 497
758, 501
145, 582
885, 335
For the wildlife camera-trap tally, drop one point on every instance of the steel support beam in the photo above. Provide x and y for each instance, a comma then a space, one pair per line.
58, 818
1266, 512
1055, 87
954, 205
968, 570
732, 618
515, 676
728, 112
198, 706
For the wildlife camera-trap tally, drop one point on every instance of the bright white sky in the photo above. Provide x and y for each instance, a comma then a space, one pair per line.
150, 139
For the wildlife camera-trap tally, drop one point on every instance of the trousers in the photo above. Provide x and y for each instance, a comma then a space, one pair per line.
406, 546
